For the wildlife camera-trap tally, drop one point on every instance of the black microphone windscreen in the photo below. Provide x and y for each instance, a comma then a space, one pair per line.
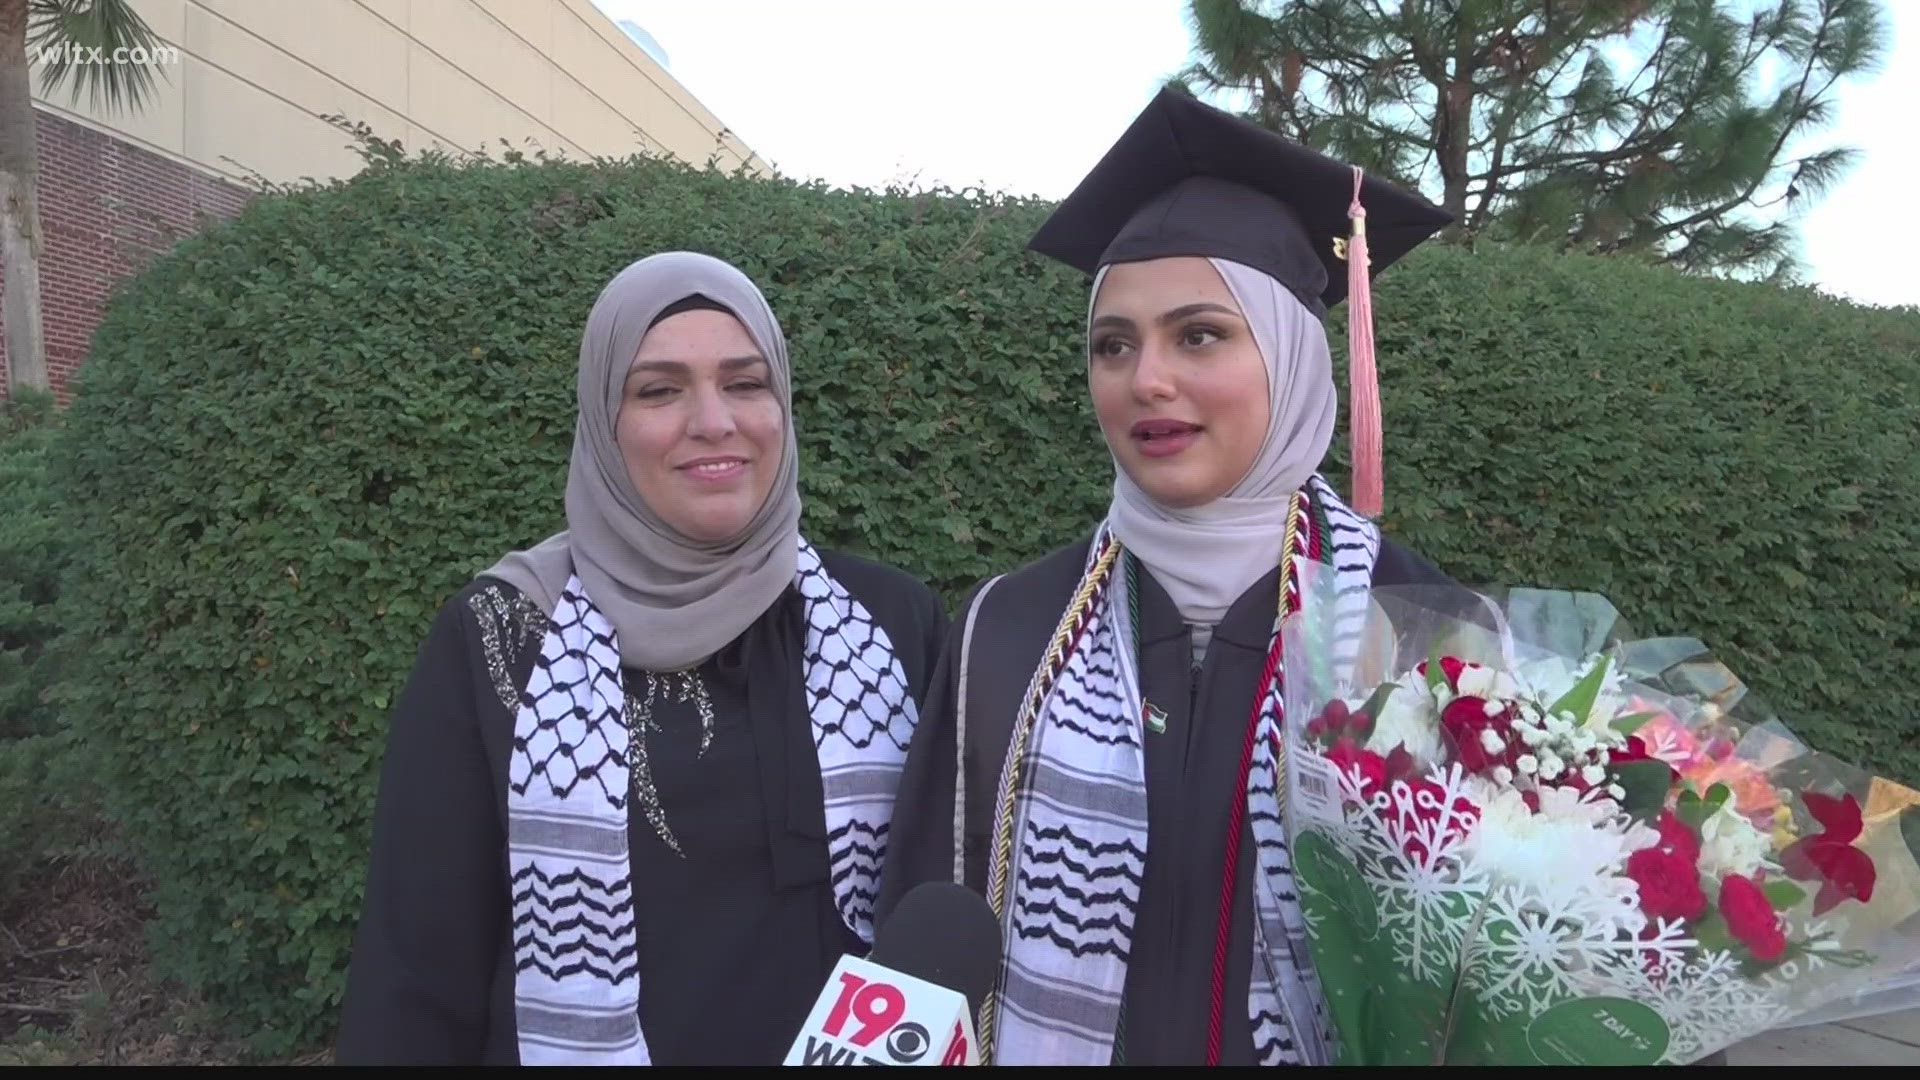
943, 933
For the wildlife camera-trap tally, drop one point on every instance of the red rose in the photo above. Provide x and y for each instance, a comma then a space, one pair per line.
1677, 839
1462, 723
1347, 756
1338, 721
1751, 918
1669, 884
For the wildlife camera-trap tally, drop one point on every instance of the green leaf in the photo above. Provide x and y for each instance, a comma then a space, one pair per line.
1436, 675
1783, 894
1632, 722
1691, 809
1579, 700
1646, 784
1712, 933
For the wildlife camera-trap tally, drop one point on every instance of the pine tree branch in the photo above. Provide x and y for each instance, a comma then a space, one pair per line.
1507, 116
1655, 61
1429, 68
1693, 129
1359, 118
1779, 142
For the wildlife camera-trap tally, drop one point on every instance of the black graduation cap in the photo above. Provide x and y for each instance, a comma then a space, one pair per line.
1188, 179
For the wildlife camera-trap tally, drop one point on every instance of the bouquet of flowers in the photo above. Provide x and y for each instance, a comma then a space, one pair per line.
1563, 845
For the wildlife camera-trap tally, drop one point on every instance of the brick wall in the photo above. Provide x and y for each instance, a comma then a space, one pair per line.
105, 205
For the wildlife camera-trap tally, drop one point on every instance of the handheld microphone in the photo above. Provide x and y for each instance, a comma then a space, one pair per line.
912, 1002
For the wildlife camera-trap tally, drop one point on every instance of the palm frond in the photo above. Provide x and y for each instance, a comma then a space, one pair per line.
98, 46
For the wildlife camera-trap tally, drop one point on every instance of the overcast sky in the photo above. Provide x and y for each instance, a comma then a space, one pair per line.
1024, 96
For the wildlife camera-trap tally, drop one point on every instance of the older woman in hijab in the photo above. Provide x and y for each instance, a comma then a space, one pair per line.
636, 793
1097, 755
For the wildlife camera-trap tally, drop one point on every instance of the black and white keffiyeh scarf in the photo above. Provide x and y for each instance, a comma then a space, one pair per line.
577, 987
1070, 837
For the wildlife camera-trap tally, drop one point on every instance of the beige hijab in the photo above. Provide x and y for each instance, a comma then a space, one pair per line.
672, 601
1207, 556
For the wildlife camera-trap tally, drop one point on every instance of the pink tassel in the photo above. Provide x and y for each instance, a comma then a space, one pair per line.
1365, 386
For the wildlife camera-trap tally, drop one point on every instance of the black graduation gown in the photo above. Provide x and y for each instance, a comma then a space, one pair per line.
1192, 773
744, 926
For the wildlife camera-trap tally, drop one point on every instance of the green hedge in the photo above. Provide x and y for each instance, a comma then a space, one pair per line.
31, 557
300, 431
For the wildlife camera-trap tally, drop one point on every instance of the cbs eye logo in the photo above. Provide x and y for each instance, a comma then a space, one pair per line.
908, 1043
876, 1009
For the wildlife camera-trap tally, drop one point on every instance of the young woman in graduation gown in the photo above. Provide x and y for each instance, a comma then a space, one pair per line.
637, 790
1096, 757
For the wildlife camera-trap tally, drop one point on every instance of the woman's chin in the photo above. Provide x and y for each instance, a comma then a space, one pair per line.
715, 531
1172, 484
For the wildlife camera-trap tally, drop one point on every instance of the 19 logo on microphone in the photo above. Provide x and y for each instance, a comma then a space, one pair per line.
875, 1011
870, 1014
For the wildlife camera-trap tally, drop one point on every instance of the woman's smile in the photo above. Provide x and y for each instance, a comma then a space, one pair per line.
715, 469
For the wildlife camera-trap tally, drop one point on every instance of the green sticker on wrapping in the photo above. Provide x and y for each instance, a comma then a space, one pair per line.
1326, 871
1598, 1031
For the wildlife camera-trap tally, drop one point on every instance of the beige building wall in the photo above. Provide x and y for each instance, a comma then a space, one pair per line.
252, 79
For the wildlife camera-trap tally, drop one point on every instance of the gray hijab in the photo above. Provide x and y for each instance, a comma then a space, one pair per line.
1206, 556
672, 601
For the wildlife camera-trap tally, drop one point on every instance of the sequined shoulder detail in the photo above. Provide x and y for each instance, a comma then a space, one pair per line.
509, 623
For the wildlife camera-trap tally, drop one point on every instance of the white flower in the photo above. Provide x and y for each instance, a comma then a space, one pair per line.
1490, 741
1571, 847
1551, 766
1729, 844
1480, 790
1502, 775
1619, 793
1486, 682
1547, 680
1593, 774
1408, 719
1528, 763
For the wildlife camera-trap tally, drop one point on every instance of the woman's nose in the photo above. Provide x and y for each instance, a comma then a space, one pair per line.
712, 415
1152, 375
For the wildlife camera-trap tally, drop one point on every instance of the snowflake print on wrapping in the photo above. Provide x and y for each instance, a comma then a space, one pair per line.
1700, 998
1424, 888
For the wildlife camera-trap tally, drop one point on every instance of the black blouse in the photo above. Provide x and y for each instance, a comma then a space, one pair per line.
734, 906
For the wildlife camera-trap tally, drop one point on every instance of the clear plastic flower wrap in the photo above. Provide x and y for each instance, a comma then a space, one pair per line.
1521, 835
